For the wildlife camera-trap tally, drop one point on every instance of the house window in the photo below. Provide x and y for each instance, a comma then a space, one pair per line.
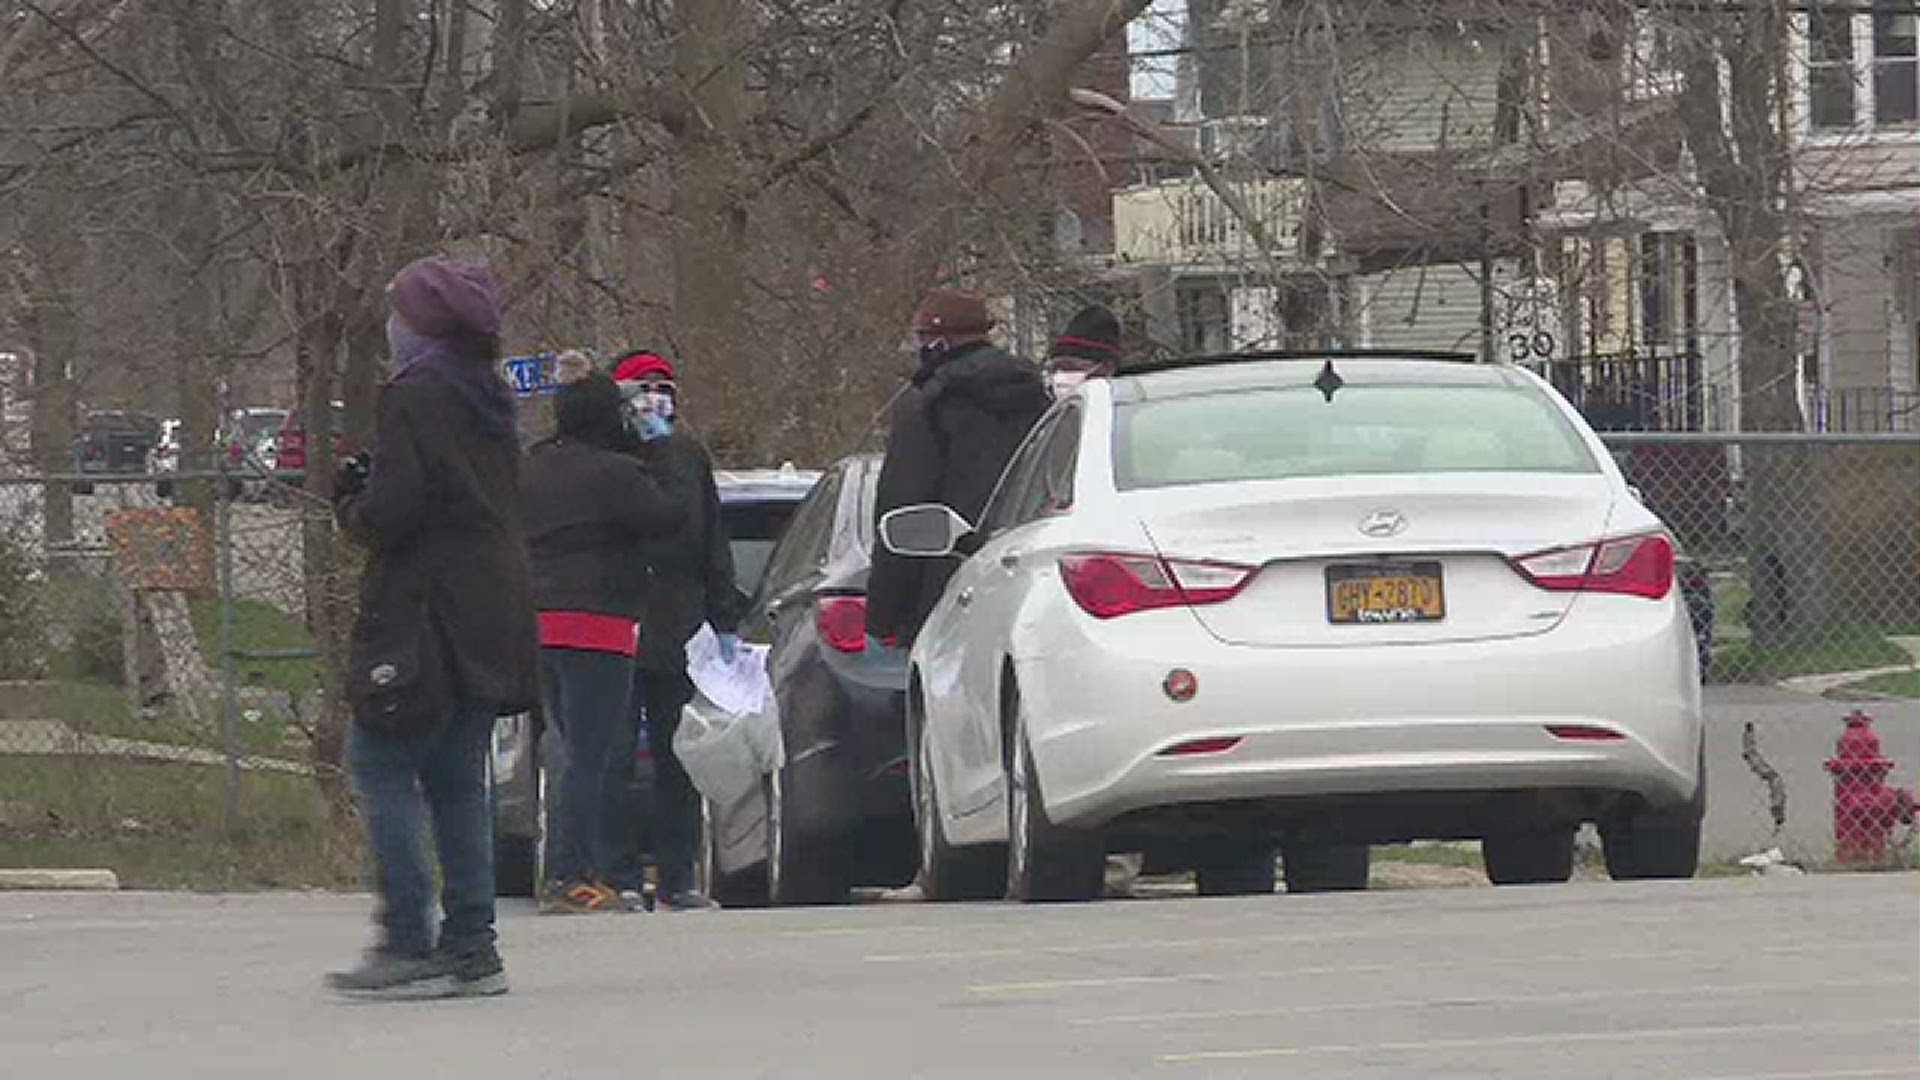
1896, 74
1862, 69
1830, 69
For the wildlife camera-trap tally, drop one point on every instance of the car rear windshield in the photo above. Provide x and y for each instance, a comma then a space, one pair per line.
753, 528
1278, 433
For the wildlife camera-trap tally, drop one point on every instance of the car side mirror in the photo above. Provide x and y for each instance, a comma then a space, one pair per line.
927, 531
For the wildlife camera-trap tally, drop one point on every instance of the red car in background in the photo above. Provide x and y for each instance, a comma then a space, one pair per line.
290, 445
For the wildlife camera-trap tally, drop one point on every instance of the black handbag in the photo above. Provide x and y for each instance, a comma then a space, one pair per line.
397, 680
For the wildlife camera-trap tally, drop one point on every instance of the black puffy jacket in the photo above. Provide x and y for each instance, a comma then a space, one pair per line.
690, 566
952, 434
588, 512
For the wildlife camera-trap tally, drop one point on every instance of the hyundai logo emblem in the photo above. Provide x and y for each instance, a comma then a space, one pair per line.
1383, 523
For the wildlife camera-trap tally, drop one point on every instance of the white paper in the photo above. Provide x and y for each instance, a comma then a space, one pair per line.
740, 688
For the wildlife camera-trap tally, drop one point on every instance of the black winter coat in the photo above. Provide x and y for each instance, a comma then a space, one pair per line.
690, 568
440, 515
588, 511
953, 432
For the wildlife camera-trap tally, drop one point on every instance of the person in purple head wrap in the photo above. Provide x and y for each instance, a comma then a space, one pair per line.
446, 638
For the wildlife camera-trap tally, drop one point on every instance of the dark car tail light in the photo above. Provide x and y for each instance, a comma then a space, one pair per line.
1107, 585
1638, 565
842, 622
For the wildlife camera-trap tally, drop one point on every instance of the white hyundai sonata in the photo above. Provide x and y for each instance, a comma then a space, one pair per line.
1219, 608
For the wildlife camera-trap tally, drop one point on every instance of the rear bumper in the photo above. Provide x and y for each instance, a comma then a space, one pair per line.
1332, 724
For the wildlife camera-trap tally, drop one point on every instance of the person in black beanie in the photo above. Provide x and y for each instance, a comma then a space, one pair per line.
1089, 348
588, 506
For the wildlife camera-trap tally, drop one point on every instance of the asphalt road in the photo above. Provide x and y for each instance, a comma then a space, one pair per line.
1753, 978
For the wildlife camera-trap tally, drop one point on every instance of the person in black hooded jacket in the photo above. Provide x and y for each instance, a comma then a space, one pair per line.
953, 431
589, 506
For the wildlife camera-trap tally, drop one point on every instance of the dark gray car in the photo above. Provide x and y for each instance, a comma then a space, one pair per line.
755, 507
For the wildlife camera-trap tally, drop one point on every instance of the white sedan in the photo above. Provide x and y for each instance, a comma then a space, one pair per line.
1221, 608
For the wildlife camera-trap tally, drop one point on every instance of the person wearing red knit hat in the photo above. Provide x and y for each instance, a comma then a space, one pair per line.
690, 582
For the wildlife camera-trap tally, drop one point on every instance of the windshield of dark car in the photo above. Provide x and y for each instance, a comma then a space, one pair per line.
752, 529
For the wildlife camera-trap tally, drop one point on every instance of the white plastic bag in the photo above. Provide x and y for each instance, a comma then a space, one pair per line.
725, 754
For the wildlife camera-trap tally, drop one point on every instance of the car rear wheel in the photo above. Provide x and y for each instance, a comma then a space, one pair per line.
1312, 867
1238, 868
800, 870
1045, 862
1644, 844
946, 872
1542, 856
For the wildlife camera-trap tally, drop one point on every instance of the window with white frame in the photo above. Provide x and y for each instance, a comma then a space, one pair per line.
1896, 70
1862, 67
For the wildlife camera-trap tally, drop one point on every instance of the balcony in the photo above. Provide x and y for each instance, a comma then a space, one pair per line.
1183, 223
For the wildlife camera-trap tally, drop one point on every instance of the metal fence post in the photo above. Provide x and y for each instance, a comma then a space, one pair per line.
228, 711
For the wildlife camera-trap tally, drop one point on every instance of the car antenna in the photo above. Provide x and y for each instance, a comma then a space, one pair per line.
1328, 381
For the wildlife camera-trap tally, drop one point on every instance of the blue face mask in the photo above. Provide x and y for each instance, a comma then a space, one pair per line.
650, 426
403, 345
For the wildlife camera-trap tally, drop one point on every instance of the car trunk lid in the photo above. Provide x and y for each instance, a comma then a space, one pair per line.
1380, 560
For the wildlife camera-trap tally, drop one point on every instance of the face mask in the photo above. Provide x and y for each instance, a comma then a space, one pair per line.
932, 352
649, 426
403, 345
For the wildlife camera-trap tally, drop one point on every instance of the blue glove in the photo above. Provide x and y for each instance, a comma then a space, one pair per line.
729, 647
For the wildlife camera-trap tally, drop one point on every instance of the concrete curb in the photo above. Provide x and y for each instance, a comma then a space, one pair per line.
59, 880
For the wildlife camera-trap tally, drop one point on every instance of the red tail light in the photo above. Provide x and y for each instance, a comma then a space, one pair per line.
1107, 586
842, 622
1640, 565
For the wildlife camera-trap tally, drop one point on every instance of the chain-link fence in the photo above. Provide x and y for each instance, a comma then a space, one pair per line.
163, 641
1800, 565
162, 699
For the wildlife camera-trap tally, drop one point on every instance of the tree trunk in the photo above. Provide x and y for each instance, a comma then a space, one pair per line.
1745, 162
709, 222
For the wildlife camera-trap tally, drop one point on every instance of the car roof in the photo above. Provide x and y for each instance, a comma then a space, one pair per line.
784, 484
1220, 374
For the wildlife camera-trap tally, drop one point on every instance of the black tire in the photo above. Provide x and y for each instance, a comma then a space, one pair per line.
1647, 845
1311, 867
1045, 862
948, 872
801, 869
1542, 856
1236, 869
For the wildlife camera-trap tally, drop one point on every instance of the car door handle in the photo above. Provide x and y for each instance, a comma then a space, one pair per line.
965, 599
1010, 561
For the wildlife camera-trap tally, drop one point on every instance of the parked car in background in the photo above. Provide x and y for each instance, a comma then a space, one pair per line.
245, 445
756, 506
290, 443
839, 813
164, 459
1223, 606
113, 442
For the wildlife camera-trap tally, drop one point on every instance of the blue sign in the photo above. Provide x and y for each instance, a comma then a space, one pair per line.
531, 375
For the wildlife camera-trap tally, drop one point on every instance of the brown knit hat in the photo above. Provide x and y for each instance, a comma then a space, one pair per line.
952, 312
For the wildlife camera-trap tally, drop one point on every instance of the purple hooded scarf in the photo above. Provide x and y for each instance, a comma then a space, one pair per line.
445, 311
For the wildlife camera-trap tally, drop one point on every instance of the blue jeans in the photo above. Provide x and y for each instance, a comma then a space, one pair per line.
587, 702
400, 782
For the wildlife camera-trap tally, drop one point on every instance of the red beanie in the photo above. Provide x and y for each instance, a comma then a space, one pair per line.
640, 365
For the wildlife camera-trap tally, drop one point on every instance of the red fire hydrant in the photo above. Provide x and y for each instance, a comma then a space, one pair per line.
1865, 809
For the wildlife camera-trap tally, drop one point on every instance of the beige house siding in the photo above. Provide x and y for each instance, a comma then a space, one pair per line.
1434, 89
1421, 307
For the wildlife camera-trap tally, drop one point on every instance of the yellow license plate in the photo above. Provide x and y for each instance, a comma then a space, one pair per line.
1385, 593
